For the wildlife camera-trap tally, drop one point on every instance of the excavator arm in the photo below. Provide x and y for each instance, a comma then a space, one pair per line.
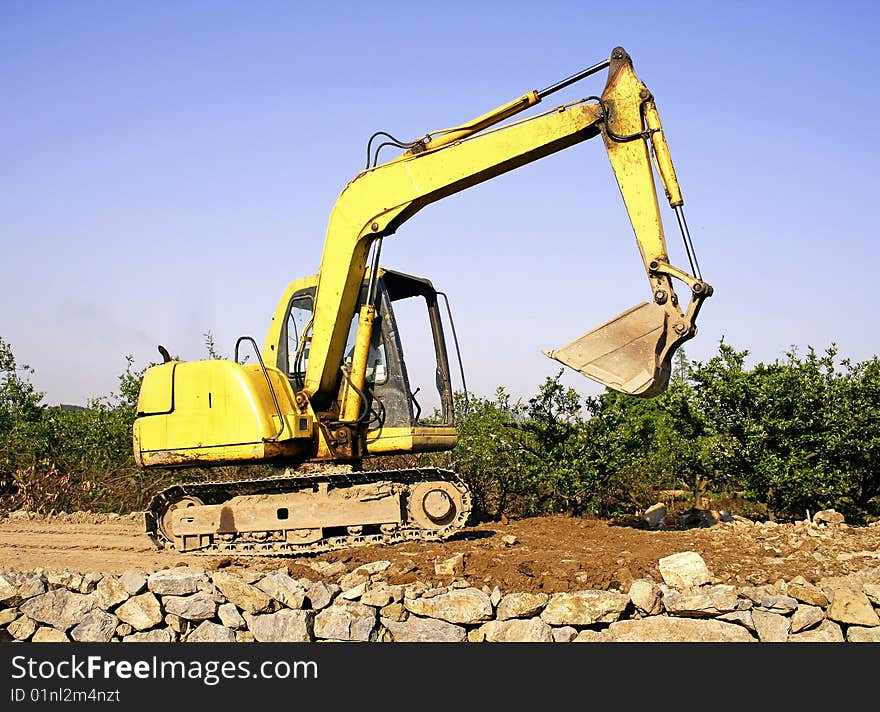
633, 351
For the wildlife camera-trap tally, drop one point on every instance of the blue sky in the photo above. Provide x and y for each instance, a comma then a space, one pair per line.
169, 167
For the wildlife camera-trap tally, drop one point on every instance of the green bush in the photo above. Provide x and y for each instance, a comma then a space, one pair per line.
65, 458
491, 451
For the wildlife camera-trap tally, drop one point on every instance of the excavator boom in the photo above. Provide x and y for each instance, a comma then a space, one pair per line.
632, 352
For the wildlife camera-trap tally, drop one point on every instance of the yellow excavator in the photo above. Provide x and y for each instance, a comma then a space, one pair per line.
330, 384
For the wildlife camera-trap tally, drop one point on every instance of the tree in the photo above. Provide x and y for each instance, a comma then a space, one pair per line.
19, 401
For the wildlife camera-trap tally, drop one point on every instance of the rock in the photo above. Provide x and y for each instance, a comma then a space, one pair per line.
784, 605
159, 635
508, 540
397, 590
355, 592
362, 574
210, 632
89, 582
584, 607
684, 570
701, 603
285, 626
743, 618
453, 566
401, 569
320, 594
175, 582
242, 594
7, 615
353, 580
134, 582
374, 567
517, 630
283, 588
394, 612
325, 568
177, 624
250, 576
858, 634
141, 612
826, 632
244, 636
646, 596
809, 594
476, 635
110, 592
872, 591
229, 616
64, 579
22, 628
806, 617
565, 634
123, 629
197, 607
854, 581
32, 586
853, 608
97, 627
379, 597
828, 516
771, 627
664, 629
655, 516
58, 608
8, 591
521, 605
49, 635
346, 620
755, 594
592, 636
464, 605
414, 590
495, 596
423, 630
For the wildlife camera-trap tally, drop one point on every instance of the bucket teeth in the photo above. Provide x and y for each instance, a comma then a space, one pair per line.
631, 353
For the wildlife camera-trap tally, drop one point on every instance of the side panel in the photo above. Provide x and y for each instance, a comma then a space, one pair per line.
219, 411
422, 438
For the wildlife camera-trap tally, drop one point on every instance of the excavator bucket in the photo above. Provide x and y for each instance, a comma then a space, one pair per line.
631, 353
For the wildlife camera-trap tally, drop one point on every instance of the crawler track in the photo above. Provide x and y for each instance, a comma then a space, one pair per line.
275, 543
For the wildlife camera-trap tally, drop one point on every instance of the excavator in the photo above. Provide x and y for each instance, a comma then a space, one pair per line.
330, 387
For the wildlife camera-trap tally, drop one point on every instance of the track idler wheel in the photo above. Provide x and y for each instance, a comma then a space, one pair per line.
435, 505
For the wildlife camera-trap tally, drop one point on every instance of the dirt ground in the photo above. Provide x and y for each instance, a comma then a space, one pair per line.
549, 554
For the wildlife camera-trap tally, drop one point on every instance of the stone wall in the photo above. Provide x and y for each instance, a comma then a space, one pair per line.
182, 605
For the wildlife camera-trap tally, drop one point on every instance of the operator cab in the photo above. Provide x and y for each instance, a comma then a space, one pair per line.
402, 417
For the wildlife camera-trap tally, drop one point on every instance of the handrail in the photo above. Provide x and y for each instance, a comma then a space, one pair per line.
457, 350
268, 381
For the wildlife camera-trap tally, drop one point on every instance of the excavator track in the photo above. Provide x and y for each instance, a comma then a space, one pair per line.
298, 514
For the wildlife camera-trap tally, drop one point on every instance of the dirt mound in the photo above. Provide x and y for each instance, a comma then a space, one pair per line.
549, 554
